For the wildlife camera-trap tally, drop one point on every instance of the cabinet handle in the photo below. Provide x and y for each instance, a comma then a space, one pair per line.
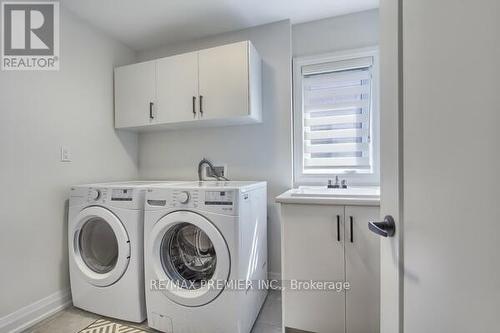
151, 110
351, 222
194, 106
201, 105
338, 228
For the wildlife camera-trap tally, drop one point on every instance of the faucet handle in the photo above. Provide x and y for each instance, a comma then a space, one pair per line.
333, 185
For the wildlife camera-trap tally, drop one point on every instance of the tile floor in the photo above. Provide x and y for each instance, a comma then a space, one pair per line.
72, 320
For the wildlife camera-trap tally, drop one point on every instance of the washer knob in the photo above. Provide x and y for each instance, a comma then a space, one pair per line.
183, 197
94, 194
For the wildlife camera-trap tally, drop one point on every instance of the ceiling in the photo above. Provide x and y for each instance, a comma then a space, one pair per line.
143, 24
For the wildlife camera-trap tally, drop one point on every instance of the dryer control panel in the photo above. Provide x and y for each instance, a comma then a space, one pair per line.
122, 197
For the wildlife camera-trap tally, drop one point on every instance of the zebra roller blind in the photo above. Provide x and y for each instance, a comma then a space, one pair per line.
337, 103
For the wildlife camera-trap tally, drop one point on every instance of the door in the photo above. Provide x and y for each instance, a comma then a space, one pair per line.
135, 94
313, 249
99, 246
451, 163
362, 265
190, 255
224, 81
391, 256
177, 88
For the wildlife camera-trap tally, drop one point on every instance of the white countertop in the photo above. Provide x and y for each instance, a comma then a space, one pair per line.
316, 195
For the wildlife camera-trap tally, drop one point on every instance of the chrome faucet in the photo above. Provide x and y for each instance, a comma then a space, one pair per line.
207, 162
331, 185
342, 184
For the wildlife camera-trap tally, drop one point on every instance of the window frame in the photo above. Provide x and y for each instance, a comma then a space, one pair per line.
353, 178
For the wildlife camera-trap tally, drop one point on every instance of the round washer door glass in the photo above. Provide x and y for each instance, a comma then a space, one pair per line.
188, 255
188, 252
98, 245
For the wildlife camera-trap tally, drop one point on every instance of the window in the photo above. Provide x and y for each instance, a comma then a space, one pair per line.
336, 118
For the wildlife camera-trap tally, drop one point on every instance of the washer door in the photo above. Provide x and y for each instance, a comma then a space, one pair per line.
101, 247
190, 258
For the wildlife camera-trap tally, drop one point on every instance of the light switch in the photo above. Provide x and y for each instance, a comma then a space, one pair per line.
65, 154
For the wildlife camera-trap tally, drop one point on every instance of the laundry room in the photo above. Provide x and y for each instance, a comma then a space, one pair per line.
249, 166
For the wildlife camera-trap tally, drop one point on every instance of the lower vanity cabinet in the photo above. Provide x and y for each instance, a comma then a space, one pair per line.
330, 243
313, 249
362, 265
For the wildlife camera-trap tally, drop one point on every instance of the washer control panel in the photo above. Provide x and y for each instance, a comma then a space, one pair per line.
220, 201
94, 194
185, 198
97, 195
219, 198
122, 194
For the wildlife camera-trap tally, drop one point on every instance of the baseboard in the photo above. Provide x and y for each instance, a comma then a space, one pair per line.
32, 314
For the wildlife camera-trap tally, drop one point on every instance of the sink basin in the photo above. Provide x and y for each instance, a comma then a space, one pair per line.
350, 192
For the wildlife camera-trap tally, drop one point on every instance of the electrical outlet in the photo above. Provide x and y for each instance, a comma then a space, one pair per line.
221, 170
65, 154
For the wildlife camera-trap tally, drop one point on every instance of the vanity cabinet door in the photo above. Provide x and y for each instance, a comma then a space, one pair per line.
362, 257
313, 249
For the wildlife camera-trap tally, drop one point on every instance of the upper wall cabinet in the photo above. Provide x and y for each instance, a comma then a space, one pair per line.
224, 81
177, 88
213, 87
135, 93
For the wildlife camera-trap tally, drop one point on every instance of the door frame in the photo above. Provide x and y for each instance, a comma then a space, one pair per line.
391, 159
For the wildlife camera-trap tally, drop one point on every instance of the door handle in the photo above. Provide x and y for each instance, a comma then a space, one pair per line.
351, 222
201, 105
151, 110
194, 106
338, 228
386, 228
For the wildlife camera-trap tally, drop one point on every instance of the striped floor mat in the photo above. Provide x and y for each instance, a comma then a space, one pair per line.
106, 326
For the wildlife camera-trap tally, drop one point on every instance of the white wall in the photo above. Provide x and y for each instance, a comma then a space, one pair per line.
39, 112
252, 152
336, 34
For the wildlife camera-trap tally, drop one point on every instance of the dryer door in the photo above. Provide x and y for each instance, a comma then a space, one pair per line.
190, 258
99, 246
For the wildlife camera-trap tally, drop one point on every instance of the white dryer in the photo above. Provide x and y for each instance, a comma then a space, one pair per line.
200, 240
105, 239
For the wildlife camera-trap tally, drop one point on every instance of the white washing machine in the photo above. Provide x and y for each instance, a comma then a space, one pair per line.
105, 238
200, 238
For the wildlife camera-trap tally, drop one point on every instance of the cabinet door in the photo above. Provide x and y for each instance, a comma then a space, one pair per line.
313, 249
223, 75
362, 256
135, 90
177, 88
